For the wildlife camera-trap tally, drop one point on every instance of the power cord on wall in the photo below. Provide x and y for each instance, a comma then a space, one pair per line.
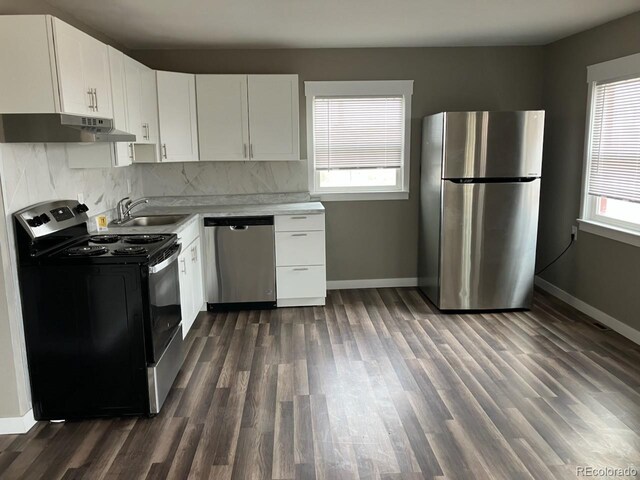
573, 239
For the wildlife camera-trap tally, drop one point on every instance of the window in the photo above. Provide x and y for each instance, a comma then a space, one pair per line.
358, 139
612, 153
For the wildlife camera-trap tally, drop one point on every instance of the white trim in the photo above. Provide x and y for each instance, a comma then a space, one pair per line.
359, 87
589, 220
372, 283
339, 197
614, 233
614, 69
16, 425
602, 317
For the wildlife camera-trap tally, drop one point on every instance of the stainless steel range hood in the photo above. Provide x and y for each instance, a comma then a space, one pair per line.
58, 127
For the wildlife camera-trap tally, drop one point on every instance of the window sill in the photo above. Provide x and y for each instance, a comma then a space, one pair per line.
615, 233
361, 196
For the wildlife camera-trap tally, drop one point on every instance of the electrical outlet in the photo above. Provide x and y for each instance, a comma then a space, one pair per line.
81, 197
574, 232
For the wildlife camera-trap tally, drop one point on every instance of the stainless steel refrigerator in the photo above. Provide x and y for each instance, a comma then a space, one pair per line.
479, 193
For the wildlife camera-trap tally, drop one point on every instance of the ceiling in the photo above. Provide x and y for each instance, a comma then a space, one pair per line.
338, 23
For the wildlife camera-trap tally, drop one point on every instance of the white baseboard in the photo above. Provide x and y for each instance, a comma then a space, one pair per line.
602, 317
372, 283
302, 302
15, 425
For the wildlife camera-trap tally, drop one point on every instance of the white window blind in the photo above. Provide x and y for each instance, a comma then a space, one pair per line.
615, 141
358, 132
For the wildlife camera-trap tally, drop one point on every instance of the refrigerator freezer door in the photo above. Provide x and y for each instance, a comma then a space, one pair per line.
493, 144
488, 245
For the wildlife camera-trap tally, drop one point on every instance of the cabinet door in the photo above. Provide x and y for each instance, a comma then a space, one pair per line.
223, 123
198, 282
133, 91
27, 74
196, 298
95, 64
186, 302
123, 150
273, 117
177, 117
75, 96
149, 104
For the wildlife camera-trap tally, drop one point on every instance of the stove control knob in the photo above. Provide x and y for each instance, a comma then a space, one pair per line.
81, 208
34, 222
44, 218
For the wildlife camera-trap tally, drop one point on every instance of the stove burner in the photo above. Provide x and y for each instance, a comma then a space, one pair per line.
130, 251
104, 238
142, 239
86, 251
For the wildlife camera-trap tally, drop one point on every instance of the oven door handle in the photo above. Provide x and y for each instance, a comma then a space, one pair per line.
158, 267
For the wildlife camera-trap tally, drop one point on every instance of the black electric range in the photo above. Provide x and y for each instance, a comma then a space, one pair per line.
113, 248
101, 314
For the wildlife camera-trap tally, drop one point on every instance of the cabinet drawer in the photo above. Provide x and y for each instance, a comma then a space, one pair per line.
299, 248
296, 223
301, 282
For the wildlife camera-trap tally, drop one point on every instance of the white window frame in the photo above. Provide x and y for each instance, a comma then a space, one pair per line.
589, 221
361, 88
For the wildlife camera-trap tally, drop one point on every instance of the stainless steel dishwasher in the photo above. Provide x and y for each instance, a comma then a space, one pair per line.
240, 263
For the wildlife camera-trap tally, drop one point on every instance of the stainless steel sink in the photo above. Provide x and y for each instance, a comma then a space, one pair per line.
153, 220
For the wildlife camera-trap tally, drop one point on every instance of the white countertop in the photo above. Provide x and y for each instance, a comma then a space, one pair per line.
194, 212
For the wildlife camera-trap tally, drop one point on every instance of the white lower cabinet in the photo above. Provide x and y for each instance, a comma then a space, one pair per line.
191, 278
300, 260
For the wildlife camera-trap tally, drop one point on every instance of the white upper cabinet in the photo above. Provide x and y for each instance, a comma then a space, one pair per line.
48, 66
124, 151
177, 117
149, 104
273, 117
108, 154
133, 91
142, 101
83, 72
248, 117
223, 122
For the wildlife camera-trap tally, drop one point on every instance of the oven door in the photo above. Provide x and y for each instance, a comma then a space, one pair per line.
164, 300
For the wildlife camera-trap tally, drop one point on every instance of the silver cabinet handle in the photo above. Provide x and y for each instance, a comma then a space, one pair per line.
184, 265
195, 254
131, 151
244, 150
164, 151
95, 95
300, 269
251, 150
299, 235
148, 131
91, 104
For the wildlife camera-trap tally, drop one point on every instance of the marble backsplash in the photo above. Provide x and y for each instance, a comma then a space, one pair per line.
37, 172
234, 199
222, 178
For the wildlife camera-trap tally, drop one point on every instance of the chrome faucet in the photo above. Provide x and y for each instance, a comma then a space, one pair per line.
125, 206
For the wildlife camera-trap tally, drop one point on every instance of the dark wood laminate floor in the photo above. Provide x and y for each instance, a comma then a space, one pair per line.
374, 385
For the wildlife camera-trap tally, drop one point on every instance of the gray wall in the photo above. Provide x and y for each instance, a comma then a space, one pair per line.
601, 272
376, 239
